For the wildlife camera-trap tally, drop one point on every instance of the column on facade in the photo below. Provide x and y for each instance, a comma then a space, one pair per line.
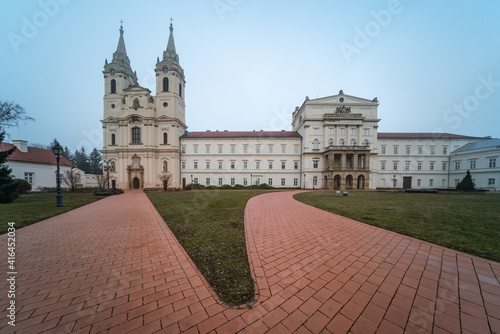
343, 161
355, 162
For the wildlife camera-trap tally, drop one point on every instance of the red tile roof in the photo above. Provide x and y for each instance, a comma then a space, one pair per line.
422, 135
242, 134
34, 155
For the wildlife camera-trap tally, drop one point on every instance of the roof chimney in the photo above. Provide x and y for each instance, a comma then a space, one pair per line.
22, 145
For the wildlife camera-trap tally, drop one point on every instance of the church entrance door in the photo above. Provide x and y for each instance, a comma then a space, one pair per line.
137, 183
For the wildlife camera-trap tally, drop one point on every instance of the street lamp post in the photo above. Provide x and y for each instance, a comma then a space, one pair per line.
58, 151
107, 168
191, 181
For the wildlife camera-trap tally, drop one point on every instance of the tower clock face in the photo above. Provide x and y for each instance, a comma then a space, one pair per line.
165, 70
112, 72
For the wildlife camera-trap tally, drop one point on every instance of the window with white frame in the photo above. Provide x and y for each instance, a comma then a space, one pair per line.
407, 149
342, 142
270, 148
445, 149
296, 148
183, 149
233, 181
431, 183
270, 165
257, 149
257, 181
207, 149
220, 181
457, 165
315, 131
491, 182
29, 177
220, 148
283, 181
195, 148
493, 162
295, 182
353, 142
444, 166
233, 148
245, 181
353, 131
366, 132
419, 182
395, 150
207, 181
195, 165
331, 131
419, 150
419, 165
395, 166
195, 180
283, 165
220, 164
316, 144
431, 165
315, 181
330, 142
295, 165
382, 165
472, 164
283, 148
207, 164
432, 150
315, 163
270, 181
245, 164
257, 165
342, 131
407, 166
245, 149
383, 150
232, 164
183, 165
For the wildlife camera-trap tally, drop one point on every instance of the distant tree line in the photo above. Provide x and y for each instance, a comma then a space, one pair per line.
90, 163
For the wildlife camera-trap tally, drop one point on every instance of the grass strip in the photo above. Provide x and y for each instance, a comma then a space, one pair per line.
209, 225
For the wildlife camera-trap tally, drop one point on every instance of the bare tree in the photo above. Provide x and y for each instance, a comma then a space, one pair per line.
11, 114
71, 179
166, 178
102, 181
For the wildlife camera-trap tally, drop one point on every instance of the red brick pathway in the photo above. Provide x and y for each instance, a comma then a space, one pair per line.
114, 266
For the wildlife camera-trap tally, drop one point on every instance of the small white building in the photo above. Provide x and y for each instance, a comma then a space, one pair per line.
37, 166
482, 159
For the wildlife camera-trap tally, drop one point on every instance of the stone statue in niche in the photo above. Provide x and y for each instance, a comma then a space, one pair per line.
136, 104
151, 99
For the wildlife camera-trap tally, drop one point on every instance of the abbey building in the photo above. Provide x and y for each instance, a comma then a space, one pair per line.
334, 142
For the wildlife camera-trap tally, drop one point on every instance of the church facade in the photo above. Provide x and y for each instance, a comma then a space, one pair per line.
334, 142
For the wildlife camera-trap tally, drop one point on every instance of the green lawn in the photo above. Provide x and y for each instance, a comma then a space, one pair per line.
32, 208
209, 225
466, 222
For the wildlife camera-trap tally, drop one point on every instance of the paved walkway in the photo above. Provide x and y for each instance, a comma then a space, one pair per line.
113, 266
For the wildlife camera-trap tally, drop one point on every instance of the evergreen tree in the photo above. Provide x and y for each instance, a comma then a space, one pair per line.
82, 160
466, 184
54, 143
95, 161
69, 155
8, 186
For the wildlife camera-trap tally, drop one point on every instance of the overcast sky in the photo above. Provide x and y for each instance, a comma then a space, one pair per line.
434, 66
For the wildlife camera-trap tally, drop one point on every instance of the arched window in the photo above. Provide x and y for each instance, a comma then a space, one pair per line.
165, 138
165, 166
113, 86
316, 144
136, 135
330, 142
353, 142
165, 84
180, 90
112, 139
315, 181
342, 142
366, 142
